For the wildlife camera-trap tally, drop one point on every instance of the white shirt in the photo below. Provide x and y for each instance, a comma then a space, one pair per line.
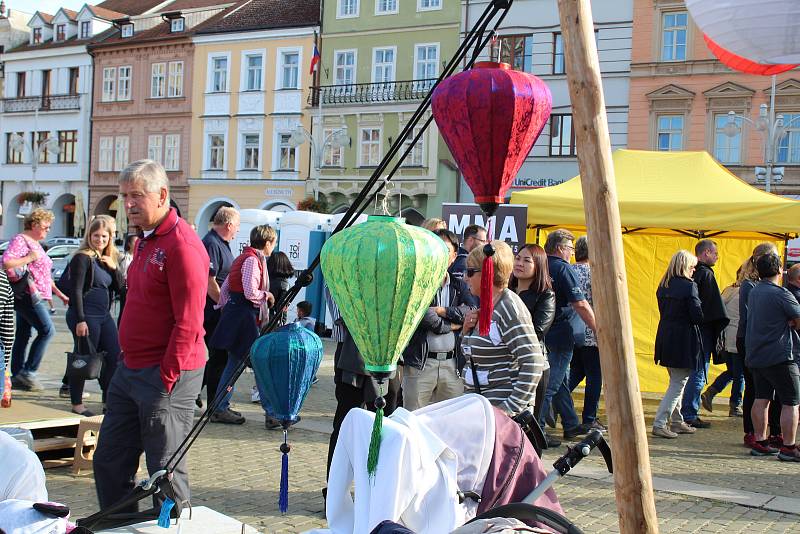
21, 473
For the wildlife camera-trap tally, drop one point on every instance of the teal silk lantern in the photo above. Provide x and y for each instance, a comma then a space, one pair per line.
383, 275
285, 363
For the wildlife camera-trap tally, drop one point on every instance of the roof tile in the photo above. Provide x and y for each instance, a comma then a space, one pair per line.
264, 14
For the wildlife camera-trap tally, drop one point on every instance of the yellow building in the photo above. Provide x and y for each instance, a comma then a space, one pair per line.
251, 82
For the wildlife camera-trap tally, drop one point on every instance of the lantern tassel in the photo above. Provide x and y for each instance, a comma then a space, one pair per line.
375, 439
487, 283
283, 496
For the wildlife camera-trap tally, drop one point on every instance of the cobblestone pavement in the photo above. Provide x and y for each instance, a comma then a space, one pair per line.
235, 470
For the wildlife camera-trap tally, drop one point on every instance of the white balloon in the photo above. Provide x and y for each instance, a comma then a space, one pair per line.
764, 31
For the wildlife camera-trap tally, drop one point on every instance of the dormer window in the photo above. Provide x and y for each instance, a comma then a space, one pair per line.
37, 36
61, 32
86, 29
176, 25
127, 30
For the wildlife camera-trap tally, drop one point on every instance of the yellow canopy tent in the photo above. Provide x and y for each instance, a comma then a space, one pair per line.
668, 201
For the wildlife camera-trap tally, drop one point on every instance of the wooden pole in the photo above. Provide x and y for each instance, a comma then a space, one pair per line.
632, 477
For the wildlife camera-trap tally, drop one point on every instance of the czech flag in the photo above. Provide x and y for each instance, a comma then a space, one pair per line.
314, 60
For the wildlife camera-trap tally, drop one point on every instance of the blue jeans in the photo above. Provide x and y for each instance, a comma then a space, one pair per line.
734, 373
690, 405
557, 392
227, 373
30, 316
586, 364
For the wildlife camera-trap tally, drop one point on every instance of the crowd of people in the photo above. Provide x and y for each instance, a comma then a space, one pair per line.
190, 310
751, 327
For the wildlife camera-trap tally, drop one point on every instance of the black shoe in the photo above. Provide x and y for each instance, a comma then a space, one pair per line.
699, 423
579, 430
324, 494
63, 391
272, 424
551, 442
198, 402
227, 417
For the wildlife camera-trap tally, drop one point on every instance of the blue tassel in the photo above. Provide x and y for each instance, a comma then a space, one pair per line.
283, 499
163, 516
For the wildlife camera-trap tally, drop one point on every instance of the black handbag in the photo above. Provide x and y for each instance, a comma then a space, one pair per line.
85, 366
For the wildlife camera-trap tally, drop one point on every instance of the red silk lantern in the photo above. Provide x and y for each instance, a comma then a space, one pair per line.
742, 64
490, 117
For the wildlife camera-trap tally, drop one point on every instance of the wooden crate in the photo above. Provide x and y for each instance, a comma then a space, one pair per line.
54, 431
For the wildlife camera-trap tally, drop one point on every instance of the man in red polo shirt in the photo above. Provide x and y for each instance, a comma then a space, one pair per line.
150, 402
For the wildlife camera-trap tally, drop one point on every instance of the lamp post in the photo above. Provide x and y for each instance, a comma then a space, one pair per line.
337, 138
772, 129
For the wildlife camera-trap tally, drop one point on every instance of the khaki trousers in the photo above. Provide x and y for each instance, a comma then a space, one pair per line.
438, 381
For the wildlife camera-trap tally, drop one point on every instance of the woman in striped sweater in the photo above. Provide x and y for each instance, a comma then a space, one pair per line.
508, 362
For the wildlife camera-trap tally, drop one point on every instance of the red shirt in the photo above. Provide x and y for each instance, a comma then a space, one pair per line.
162, 322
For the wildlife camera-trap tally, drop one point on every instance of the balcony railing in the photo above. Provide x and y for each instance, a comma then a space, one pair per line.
370, 93
41, 103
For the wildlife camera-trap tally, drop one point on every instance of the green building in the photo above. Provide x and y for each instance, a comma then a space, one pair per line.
378, 60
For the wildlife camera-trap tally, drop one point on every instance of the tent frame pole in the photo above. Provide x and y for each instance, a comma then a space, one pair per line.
633, 481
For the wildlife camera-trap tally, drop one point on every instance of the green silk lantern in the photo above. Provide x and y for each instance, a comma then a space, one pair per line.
383, 275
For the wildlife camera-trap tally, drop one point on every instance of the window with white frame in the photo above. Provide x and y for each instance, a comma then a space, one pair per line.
370, 147
121, 152
558, 53
385, 7
172, 152
287, 154
251, 148
673, 36
669, 134
158, 80
562, 135
426, 61
216, 152
789, 143
219, 74
347, 8
344, 67
425, 5
176, 25
415, 158
86, 29
175, 80
727, 149
126, 31
109, 83
154, 147
383, 61
254, 65
290, 70
105, 160
124, 82
331, 156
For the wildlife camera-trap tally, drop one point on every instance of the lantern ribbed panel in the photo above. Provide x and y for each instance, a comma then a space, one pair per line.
285, 362
763, 31
490, 117
383, 275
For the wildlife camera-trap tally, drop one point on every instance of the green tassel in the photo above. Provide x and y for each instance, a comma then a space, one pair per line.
375, 440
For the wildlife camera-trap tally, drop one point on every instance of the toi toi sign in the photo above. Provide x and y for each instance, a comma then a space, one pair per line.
508, 224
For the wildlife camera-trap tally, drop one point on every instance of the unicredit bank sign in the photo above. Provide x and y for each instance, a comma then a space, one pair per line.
534, 183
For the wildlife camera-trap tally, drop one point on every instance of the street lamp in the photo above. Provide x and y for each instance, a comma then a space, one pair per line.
49, 145
337, 138
772, 129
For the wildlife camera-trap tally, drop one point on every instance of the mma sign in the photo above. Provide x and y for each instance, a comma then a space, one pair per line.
508, 224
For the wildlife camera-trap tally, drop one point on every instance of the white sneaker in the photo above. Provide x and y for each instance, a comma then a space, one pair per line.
664, 432
255, 398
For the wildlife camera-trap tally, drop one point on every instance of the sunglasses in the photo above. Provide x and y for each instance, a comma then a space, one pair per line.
471, 272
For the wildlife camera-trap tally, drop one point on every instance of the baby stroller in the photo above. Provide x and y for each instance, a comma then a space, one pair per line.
441, 467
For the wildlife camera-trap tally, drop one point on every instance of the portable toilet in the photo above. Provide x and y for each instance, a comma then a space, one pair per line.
250, 218
333, 221
302, 235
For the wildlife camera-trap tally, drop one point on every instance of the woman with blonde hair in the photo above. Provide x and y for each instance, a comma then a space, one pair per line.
29, 271
505, 366
93, 274
679, 346
748, 279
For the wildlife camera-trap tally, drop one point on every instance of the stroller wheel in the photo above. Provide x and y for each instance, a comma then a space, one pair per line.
528, 512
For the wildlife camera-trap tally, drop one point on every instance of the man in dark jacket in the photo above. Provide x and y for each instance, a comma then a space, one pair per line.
793, 281
474, 236
715, 319
432, 359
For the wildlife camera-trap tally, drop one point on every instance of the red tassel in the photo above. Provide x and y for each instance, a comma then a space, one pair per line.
487, 300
